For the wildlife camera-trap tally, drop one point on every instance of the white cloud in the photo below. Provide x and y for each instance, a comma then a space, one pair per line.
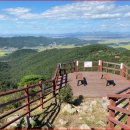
29, 16
74, 11
127, 14
22, 13
88, 10
17, 11
3, 17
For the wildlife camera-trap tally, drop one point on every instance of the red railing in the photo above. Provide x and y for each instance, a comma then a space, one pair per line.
27, 98
50, 87
119, 109
40, 91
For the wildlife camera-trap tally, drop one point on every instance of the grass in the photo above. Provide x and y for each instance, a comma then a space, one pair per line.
113, 41
125, 46
9, 108
2, 53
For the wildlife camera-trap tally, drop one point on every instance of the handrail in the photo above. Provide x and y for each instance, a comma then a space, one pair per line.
119, 103
114, 121
118, 96
111, 63
63, 69
124, 90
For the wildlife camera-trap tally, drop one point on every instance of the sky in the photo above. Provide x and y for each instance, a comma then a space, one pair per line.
63, 17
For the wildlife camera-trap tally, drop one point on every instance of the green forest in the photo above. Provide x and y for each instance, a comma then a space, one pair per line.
31, 41
24, 62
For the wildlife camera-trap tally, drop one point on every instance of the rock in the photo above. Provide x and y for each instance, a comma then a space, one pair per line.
79, 110
101, 123
16, 123
80, 118
29, 122
93, 104
68, 108
84, 126
87, 108
63, 122
92, 117
105, 102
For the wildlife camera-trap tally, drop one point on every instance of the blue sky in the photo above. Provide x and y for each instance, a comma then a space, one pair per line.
63, 17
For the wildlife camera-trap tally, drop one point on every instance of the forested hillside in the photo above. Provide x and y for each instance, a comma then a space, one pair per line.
31, 41
27, 62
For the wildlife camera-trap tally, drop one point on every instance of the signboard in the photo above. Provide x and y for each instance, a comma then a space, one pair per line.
88, 64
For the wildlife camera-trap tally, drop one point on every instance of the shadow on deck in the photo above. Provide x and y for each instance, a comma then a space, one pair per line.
96, 87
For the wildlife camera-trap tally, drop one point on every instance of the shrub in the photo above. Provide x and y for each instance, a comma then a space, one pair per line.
65, 94
30, 79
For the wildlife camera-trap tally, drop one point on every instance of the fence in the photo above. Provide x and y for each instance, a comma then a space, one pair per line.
30, 94
38, 92
119, 109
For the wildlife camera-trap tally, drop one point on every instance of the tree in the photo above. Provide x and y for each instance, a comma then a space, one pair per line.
66, 94
31, 79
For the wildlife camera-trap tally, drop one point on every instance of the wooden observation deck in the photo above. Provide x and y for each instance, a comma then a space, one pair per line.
96, 87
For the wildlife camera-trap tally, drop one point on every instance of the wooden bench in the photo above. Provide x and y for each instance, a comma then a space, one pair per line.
81, 79
109, 79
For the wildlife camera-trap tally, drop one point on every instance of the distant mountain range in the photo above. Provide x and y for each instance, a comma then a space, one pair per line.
79, 38
32, 41
76, 34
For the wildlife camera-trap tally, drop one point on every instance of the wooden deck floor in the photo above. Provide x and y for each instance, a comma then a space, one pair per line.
96, 86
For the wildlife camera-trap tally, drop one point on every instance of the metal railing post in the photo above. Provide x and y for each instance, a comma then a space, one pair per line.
122, 70
100, 65
64, 68
41, 94
112, 112
76, 66
53, 87
26, 93
128, 118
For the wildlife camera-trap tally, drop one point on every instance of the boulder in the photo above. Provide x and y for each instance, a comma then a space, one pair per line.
104, 102
93, 103
101, 123
63, 122
16, 123
87, 108
68, 108
29, 122
80, 118
84, 126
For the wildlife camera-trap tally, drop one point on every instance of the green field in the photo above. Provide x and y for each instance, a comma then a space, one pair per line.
125, 46
117, 43
2, 53
113, 41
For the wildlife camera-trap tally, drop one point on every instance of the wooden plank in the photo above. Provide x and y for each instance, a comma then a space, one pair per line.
96, 87
112, 112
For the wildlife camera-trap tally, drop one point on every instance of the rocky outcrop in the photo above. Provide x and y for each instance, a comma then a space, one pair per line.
70, 109
63, 122
84, 126
26, 122
16, 123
